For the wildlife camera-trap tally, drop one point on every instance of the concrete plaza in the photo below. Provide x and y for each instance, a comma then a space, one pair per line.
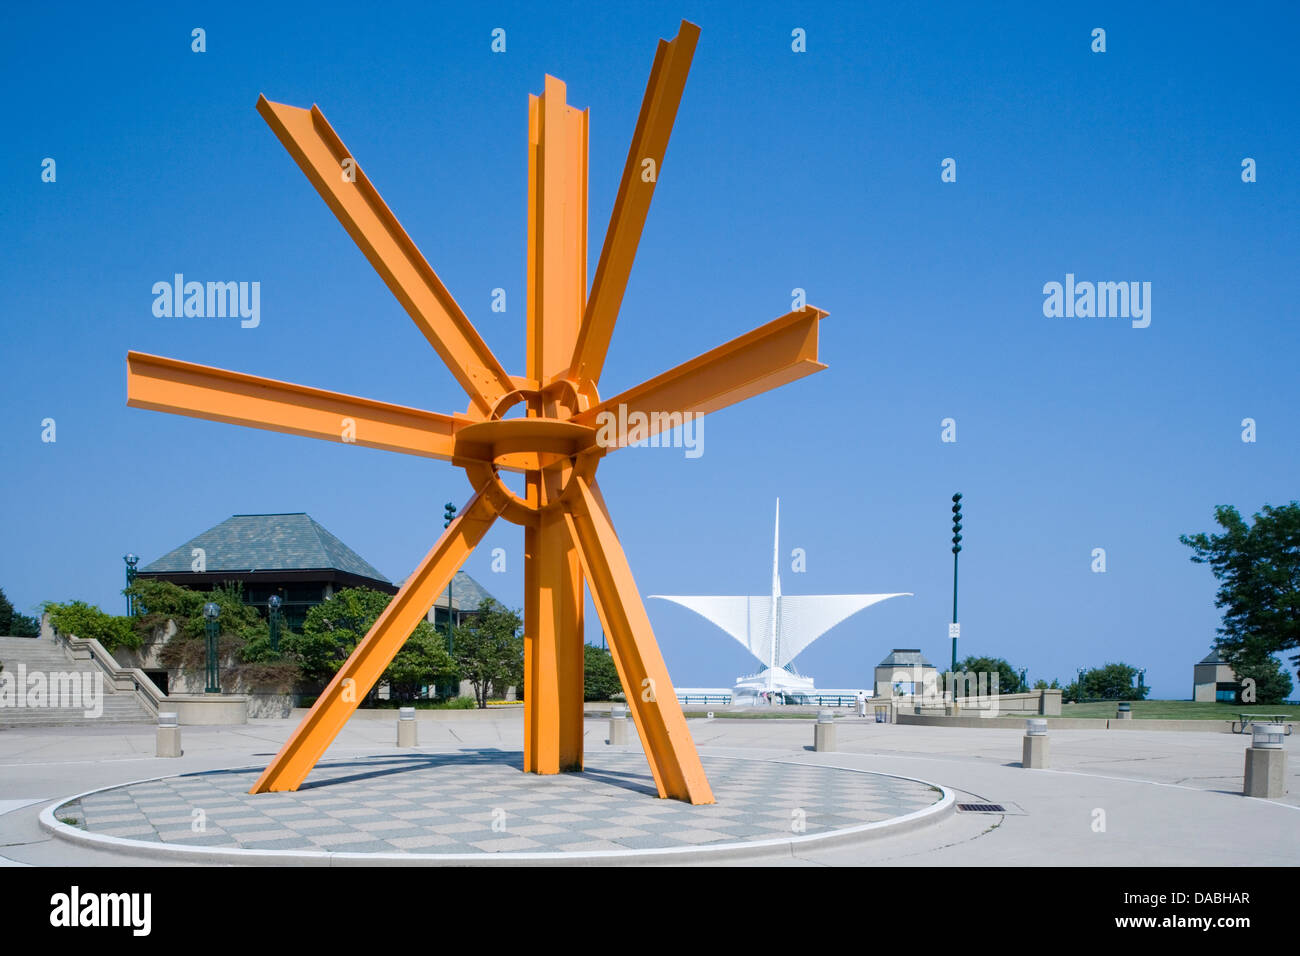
1109, 798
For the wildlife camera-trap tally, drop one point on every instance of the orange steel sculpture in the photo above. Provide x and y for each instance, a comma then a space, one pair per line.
569, 537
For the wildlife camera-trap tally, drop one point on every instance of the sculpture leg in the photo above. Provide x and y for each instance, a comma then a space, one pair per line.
641, 669
553, 662
377, 649
557, 284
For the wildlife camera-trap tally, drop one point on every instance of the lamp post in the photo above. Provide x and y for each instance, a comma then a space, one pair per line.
955, 630
273, 616
131, 561
449, 515
211, 612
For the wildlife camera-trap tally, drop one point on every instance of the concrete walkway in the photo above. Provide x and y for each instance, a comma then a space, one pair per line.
1136, 798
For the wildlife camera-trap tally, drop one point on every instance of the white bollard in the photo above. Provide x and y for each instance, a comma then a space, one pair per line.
406, 732
1034, 754
824, 731
1265, 762
618, 725
169, 736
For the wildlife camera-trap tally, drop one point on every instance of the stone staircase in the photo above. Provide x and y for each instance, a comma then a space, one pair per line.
121, 703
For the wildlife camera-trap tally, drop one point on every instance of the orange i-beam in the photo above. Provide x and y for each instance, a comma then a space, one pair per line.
557, 292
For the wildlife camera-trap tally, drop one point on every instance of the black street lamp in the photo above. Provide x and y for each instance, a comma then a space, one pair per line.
211, 612
131, 561
448, 516
273, 616
955, 630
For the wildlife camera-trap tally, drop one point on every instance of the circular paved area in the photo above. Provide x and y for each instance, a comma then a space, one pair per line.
479, 803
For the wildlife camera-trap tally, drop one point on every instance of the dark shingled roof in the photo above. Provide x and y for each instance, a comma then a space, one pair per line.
1212, 658
285, 542
905, 657
466, 593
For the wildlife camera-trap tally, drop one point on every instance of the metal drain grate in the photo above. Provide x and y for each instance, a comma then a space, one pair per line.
981, 808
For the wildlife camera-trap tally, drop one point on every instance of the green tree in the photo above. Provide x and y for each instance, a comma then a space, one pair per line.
599, 675
331, 631
1109, 682
422, 662
490, 650
1258, 569
87, 621
1272, 684
1008, 676
14, 623
1041, 684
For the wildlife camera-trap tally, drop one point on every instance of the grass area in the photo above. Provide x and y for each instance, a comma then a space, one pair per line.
1179, 710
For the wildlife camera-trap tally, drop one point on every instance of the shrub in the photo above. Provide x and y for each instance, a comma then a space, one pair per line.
87, 621
244, 645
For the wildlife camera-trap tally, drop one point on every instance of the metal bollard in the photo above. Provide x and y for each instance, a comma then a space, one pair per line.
1265, 762
824, 731
169, 736
1034, 753
406, 733
618, 725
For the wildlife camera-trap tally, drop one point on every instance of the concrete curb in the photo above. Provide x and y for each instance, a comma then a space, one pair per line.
1067, 723
723, 852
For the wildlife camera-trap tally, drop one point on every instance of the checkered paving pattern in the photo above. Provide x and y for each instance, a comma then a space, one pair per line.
479, 802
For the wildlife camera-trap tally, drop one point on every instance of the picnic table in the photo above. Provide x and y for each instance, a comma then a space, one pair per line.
1245, 720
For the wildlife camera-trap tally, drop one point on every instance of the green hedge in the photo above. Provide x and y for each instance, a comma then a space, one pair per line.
87, 621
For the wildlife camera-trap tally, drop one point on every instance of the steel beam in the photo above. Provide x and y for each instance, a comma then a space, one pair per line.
654, 126
674, 761
378, 648
557, 287
200, 391
781, 351
553, 655
346, 189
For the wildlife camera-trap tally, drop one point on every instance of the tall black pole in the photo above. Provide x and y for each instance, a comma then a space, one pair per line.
956, 549
449, 515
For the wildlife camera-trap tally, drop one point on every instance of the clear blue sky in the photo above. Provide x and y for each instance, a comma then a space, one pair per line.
818, 170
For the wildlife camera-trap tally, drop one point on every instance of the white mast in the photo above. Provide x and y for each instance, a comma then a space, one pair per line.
776, 598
